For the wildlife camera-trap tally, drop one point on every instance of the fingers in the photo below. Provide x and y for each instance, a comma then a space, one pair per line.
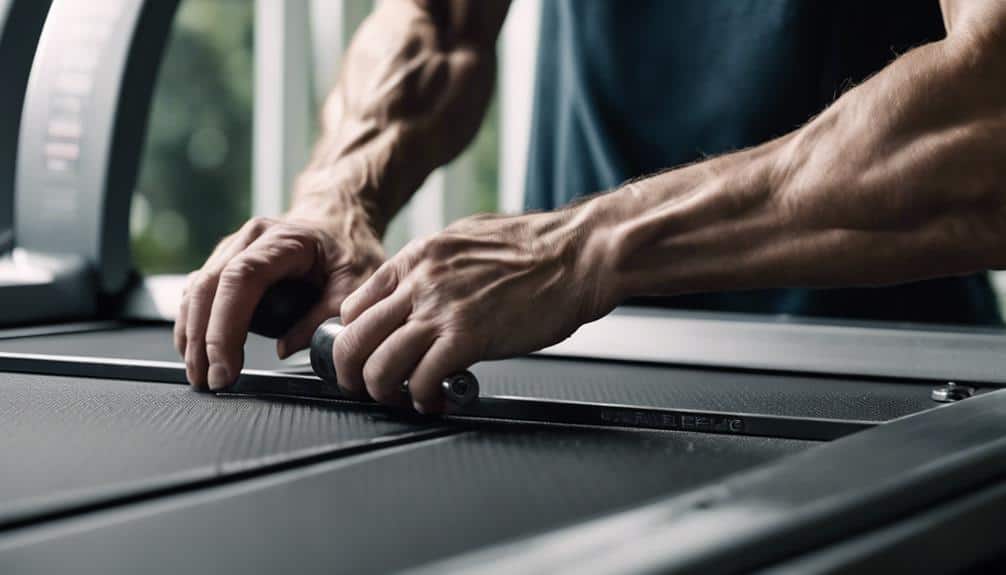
357, 341
394, 359
299, 336
197, 301
445, 357
376, 288
242, 282
180, 317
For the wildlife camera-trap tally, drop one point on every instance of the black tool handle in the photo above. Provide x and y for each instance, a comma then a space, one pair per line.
282, 305
460, 389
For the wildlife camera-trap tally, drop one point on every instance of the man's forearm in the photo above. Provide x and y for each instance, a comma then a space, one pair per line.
903, 178
411, 94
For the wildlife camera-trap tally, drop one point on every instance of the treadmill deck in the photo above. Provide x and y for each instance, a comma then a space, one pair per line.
170, 478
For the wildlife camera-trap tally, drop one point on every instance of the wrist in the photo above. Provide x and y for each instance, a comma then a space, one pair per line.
342, 218
325, 195
375, 177
590, 226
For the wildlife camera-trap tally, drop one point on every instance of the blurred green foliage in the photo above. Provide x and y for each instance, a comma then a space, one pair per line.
195, 177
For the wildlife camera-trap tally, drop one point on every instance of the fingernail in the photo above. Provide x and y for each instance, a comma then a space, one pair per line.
218, 377
419, 407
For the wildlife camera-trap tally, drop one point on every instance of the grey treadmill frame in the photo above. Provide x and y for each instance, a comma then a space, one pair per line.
94, 70
922, 352
20, 25
804, 502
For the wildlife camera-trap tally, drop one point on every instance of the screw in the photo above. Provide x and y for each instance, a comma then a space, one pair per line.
951, 392
461, 388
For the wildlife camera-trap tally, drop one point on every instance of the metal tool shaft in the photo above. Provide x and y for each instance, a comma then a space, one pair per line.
459, 389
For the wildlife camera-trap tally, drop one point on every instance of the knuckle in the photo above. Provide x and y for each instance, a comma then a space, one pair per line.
178, 333
422, 391
345, 347
285, 244
240, 270
438, 247
416, 251
375, 374
202, 285
216, 347
436, 270
190, 280
346, 307
195, 341
257, 225
381, 393
415, 245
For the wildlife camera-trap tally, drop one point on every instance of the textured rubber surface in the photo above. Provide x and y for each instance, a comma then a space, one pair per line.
70, 442
392, 509
150, 342
634, 384
683, 388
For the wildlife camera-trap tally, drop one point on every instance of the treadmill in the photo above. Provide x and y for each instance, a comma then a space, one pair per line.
714, 443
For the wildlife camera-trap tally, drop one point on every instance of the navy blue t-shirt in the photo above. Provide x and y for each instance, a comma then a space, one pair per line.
625, 89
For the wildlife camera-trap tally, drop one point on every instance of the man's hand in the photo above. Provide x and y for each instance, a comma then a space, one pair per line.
413, 88
487, 287
218, 303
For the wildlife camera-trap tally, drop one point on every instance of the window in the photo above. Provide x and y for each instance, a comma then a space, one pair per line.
196, 177
195, 174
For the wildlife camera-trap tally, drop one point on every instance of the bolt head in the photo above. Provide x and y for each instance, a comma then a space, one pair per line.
951, 392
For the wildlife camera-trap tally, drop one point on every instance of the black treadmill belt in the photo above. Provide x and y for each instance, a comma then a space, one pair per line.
391, 509
684, 388
70, 442
573, 380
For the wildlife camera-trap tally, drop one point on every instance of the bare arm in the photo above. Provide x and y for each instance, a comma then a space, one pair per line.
904, 177
411, 94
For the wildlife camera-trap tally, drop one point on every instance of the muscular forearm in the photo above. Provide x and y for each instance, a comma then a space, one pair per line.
902, 178
411, 94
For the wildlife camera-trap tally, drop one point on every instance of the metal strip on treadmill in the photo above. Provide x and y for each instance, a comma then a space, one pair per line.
491, 408
758, 517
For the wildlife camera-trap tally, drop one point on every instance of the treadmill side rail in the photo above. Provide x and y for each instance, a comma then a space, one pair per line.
760, 517
37, 288
747, 341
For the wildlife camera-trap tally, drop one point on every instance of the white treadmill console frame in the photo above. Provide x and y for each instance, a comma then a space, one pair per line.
81, 134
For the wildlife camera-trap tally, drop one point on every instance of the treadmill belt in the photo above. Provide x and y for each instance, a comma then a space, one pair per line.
70, 442
573, 380
394, 508
703, 389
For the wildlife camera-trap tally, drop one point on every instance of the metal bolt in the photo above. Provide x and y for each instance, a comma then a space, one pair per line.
951, 392
461, 388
